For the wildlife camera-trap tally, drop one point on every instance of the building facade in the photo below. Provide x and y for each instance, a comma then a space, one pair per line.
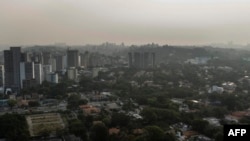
1, 75
12, 59
38, 73
141, 59
27, 71
72, 58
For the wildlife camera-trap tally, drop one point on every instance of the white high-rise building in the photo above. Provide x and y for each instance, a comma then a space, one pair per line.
53, 63
65, 65
72, 73
46, 70
39, 73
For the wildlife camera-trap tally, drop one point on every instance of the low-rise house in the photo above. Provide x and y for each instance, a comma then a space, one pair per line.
113, 107
216, 89
229, 87
138, 131
89, 109
184, 108
213, 121
114, 131
230, 118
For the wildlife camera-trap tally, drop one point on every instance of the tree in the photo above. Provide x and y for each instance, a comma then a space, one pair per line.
13, 127
199, 125
78, 128
12, 103
149, 115
99, 132
33, 103
119, 119
154, 133
73, 101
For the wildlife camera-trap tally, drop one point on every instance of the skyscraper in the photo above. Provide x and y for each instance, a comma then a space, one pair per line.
85, 59
137, 60
46, 58
47, 69
27, 71
59, 62
1, 75
72, 58
141, 59
39, 73
12, 59
130, 60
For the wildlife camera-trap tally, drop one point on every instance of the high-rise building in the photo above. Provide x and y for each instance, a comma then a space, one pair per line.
53, 64
65, 63
137, 60
130, 60
39, 73
146, 63
72, 58
59, 62
27, 71
153, 59
95, 60
25, 57
1, 75
37, 58
27, 83
12, 59
46, 58
47, 69
141, 59
85, 59
72, 74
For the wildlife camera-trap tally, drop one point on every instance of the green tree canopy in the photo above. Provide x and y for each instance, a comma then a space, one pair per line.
99, 132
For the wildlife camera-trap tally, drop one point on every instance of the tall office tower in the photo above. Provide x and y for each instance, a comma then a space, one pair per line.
47, 69
46, 58
27, 71
53, 64
59, 62
1, 75
27, 83
38, 58
25, 57
72, 58
146, 60
153, 59
130, 61
72, 74
12, 59
85, 59
141, 60
95, 60
137, 59
38, 73
65, 63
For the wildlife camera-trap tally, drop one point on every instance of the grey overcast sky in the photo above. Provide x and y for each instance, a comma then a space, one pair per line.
177, 22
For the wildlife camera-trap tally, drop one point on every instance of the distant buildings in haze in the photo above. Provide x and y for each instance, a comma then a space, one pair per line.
141, 59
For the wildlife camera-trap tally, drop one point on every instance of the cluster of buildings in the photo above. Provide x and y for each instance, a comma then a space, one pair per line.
23, 70
141, 59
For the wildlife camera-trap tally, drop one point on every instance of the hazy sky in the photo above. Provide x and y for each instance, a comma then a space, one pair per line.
129, 21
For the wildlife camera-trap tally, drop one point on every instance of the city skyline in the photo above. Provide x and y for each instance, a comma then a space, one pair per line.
73, 22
